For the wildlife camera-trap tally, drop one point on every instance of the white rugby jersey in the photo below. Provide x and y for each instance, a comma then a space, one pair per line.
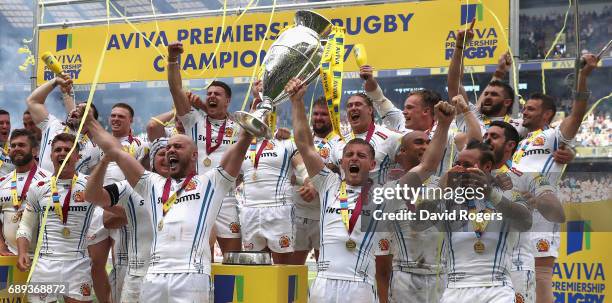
51, 127
386, 144
11, 217
56, 246
7, 164
485, 121
537, 153
415, 251
335, 260
325, 147
272, 184
134, 240
181, 246
194, 123
467, 268
137, 149
535, 184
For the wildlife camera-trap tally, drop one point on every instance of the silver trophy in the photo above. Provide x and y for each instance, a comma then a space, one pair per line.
295, 54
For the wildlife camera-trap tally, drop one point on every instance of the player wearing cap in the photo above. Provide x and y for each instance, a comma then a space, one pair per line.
213, 132
539, 194
534, 155
139, 227
180, 254
63, 256
14, 187
52, 126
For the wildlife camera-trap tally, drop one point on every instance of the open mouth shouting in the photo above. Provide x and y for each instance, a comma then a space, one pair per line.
173, 161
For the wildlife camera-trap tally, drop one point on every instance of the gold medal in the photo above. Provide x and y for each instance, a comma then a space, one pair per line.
350, 244
207, 162
479, 247
15, 218
66, 232
160, 225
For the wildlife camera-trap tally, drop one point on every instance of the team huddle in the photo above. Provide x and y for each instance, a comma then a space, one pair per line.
158, 206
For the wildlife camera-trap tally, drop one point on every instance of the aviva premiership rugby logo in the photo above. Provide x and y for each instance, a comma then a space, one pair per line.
71, 62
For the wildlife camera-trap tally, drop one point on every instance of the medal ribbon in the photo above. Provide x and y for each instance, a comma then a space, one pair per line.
350, 223
131, 150
18, 199
505, 167
169, 202
209, 148
521, 152
61, 211
487, 121
479, 227
368, 135
332, 65
255, 156
4, 153
325, 140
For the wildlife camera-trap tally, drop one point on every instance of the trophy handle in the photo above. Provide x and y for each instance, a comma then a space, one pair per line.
255, 123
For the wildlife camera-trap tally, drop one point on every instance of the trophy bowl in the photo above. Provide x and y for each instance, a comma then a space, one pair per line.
295, 54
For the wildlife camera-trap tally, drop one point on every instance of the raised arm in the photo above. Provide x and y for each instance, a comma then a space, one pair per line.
156, 127
455, 69
181, 103
570, 125
94, 189
132, 169
444, 113
36, 100
301, 130
471, 122
233, 158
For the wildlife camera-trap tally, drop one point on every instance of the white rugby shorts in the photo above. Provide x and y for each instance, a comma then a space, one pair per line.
268, 226
76, 273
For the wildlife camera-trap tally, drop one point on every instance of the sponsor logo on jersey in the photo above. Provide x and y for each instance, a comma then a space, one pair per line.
234, 227
229, 132
184, 198
383, 244
85, 289
70, 208
543, 245
538, 151
539, 141
324, 152
284, 241
191, 185
79, 196
331, 210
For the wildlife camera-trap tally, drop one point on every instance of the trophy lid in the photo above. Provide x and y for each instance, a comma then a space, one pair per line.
314, 21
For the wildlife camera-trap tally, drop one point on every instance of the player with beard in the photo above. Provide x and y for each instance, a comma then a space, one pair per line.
180, 257
29, 124
539, 194
418, 114
346, 260
213, 131
139, 230
418, 273
14, 187
63, 256
534, 155
5, 130
360, 113
51, 126
478, 254
305, 198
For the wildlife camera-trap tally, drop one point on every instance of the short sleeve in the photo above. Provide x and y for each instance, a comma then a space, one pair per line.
50, 121
190, 119
324, 180
146, 182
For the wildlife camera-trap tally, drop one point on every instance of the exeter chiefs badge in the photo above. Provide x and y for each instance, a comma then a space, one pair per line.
383, 244
324, 152
543, 245
229, 132
270, 145
284, 242
539, 141
79, 196
190, 186
85, 290
518, 298
234, 227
